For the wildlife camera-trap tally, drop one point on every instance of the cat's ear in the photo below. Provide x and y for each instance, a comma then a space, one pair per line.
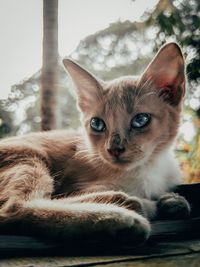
88, 88
166, 73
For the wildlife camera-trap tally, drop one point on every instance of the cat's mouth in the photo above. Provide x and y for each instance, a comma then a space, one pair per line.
117, 161
120, 161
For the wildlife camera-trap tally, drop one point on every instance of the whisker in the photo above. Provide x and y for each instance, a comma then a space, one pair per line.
145, 85
142, 87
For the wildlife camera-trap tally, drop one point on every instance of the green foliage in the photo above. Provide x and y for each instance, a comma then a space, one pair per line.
116, 50
180, 20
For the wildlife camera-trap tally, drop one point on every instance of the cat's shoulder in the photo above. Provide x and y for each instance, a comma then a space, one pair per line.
49, 140
42, 135
56, 146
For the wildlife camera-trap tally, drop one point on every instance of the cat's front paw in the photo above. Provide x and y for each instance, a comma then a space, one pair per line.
134, 203
173, 206
137, 233
125, 227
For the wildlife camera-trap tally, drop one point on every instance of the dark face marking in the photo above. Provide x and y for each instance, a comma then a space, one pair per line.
128, 96
122, 96
115, 140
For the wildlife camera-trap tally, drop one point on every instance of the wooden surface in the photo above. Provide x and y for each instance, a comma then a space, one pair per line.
15, 245
174, 253
172, 243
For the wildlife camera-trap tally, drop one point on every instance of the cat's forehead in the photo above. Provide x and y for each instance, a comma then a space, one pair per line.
125, 96
121, 83
120, 93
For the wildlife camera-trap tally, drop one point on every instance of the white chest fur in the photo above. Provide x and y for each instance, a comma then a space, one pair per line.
153, 179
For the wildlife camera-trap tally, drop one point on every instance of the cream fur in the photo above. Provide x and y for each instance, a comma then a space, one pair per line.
153, 179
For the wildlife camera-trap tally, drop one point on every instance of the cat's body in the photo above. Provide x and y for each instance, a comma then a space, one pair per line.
65, 184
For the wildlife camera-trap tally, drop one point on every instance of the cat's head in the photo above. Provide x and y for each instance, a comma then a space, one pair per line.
131, 119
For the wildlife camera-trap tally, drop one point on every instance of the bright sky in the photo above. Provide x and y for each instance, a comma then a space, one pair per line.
21, 31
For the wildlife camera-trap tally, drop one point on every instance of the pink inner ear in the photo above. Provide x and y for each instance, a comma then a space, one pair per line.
166, 71
171, 94
171, 85
166, 81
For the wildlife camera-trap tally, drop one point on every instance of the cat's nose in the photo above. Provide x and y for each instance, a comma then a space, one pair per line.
116, 152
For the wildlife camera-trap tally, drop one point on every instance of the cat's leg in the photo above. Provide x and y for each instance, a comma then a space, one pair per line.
78, 221
169, 206
173, 206
108, 197
142, 206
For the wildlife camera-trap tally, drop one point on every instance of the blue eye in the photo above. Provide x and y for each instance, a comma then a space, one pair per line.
140, 120
97, 124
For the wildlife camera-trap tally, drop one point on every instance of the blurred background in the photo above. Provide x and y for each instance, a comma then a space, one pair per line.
110, 38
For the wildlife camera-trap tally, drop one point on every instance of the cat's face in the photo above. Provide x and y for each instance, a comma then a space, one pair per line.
129, 120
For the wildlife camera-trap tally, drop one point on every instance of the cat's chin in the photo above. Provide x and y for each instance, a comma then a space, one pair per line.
117, 162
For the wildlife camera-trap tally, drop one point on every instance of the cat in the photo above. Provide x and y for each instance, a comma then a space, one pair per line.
114, 176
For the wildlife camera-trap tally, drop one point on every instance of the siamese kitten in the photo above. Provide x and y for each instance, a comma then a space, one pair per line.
116, 175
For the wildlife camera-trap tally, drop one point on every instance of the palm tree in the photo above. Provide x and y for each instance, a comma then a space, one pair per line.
50, 64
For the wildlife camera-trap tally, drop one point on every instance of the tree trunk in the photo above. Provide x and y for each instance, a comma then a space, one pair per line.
50, 65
